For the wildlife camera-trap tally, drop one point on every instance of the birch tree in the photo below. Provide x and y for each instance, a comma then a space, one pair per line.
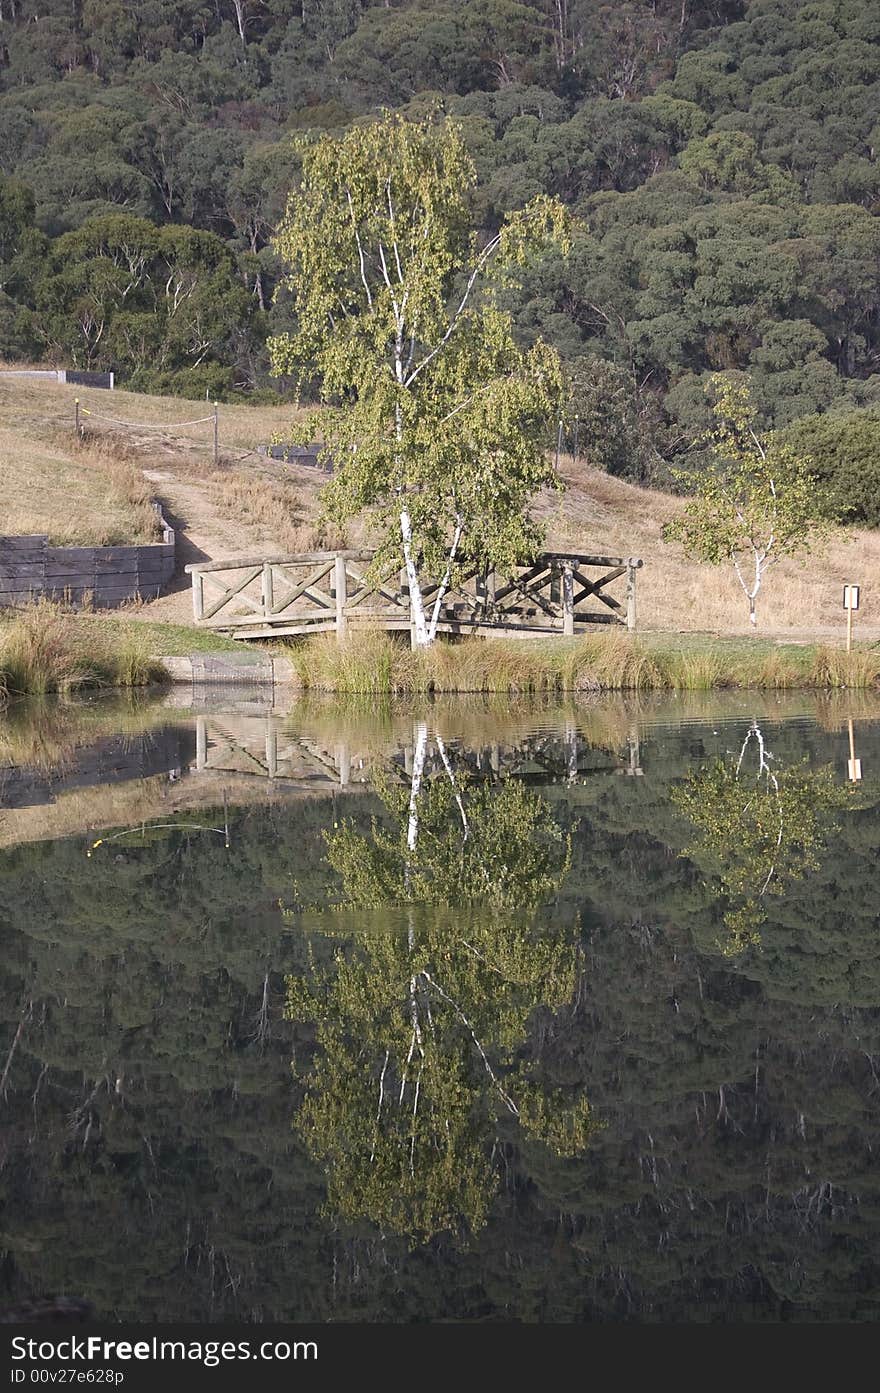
445, 419
420, 1069
757, 503
761, 828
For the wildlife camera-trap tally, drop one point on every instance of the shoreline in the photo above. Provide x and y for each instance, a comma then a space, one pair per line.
47, 649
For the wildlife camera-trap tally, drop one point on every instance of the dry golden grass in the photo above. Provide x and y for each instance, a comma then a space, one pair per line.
274, 506
601, 514
371, 663
75, 492
94, 491
42, 650
50, 485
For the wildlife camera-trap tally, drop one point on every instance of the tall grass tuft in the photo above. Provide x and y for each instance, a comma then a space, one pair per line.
367, 663
834, 667
373, 662
43, 650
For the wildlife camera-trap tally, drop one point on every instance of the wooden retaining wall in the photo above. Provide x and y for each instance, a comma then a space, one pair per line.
307, 455
105, 577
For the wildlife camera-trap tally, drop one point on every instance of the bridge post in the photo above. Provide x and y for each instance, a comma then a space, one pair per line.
271, 748
631, 597
339, 578
201, 743
568, 598
343, 760
198, 585
268, 590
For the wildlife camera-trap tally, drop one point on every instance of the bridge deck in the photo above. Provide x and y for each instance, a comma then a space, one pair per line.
338, 591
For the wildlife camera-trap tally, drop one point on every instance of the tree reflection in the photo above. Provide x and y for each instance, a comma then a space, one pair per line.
421, 1024
761, 827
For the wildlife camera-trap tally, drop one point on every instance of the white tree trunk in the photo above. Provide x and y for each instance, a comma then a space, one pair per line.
416, 600
420, 750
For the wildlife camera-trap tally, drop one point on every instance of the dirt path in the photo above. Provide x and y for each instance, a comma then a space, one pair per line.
203, 534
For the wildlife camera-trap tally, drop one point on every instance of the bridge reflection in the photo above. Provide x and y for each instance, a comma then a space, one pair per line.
268, 747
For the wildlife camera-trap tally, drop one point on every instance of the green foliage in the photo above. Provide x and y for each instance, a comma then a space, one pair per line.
760, 827
420, 1024
843, 448
724, 153
757, 504
446, 419
120, 292
614, 426
512, 857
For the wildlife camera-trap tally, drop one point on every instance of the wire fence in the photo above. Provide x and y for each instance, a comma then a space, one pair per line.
83, 412
567, 435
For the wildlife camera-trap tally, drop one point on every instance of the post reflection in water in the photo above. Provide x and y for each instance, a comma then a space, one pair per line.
420, 1082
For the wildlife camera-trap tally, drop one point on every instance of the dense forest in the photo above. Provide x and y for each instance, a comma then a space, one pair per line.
721, 156
151, 1163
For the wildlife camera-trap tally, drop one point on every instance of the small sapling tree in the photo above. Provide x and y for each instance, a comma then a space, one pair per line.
443, 425
757, 502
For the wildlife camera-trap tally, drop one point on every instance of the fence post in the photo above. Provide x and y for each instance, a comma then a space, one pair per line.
568, 597
267, 587
216, 432
631, 597
76, 410
198, 596
341, 587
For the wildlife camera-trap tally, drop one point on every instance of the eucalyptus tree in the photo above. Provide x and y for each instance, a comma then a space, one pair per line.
444, 429
757, 502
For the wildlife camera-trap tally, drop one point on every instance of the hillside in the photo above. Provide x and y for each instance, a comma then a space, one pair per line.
248, 504
721, 157
98, 490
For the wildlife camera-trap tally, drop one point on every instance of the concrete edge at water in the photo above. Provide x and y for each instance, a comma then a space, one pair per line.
247, 669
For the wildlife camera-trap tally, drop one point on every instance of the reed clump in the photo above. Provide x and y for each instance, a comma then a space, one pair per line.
372, 662
834, 667
43, 650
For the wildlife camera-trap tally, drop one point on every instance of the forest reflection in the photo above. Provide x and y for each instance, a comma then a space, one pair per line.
420, 1080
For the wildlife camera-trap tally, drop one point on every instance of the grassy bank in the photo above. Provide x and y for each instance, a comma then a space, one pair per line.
605, 662
92, 490
42, 650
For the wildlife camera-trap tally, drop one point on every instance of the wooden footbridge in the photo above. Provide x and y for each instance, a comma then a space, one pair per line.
339, 591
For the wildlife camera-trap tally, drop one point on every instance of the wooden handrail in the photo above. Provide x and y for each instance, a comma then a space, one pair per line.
547, 595
236, 562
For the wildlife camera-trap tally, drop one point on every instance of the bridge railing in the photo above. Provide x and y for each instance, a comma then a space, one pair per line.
337, 591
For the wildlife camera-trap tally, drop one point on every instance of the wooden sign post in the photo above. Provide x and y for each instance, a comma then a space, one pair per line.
850, 604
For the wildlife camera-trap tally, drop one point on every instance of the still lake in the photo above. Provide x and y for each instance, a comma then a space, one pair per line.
469, 1010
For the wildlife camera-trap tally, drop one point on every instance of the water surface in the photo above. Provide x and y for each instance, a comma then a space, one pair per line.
472, 1010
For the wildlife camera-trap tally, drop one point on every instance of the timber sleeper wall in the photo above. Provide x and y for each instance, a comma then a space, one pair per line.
101, 576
